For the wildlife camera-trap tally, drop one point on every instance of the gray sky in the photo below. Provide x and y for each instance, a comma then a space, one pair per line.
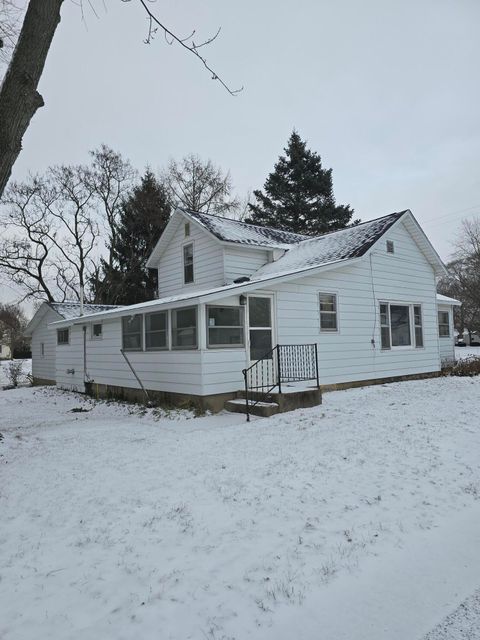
387, 92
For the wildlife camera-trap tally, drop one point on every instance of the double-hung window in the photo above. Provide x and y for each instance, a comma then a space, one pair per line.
184, 328
328, 312
156, 328
188, 263
443, 324
401, 325
132, 333
225, 327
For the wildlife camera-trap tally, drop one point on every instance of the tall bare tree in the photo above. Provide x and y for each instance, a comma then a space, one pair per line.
198, 185
19, 97
12, 326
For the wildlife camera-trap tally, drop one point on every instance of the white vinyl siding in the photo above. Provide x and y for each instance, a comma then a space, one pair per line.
242, 262
43, 366
208, 262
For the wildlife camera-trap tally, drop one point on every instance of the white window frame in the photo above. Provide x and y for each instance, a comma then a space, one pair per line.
63, 344
440, 335
335, 312
242, 326
166, 331
186, 229
142, 331
184, 246
93, 336
411, 318
390, 245
187, 347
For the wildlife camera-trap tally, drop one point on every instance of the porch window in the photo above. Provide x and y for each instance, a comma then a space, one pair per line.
184, 328
188, 263
443, 324
328, 312
156, 327
132, 330
418, 324
63, 336
225, 327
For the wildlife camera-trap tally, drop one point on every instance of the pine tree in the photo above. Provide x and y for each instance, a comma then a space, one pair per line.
143, 217
299, 194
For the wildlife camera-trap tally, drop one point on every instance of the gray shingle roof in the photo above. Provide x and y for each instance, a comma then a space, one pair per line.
70, 310
243, 233
345, 244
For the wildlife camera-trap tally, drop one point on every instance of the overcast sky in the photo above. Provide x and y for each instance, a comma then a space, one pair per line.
387, 92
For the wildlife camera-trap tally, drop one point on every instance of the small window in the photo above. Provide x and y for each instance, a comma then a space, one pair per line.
417, 321
384, 326
63, 336
390, 246
225, 327
187, 229
97, 330
42, 349
328, 312
184, 328
443, 324
188, 263
132, 328
156, 327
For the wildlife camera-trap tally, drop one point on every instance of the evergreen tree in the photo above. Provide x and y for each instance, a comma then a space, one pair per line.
299, 194
143, 217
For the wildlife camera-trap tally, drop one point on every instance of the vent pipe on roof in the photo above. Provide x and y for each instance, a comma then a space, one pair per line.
81, 299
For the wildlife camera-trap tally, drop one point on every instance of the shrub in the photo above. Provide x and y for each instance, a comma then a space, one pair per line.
14, 372
467, 367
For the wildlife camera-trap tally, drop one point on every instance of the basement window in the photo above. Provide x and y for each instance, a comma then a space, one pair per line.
63, 336
225, 327
390, 246
184, 328
132, 329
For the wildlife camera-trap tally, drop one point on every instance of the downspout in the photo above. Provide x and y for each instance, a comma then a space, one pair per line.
84, 328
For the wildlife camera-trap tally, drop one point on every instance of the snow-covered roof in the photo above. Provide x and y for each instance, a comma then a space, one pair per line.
345, 244
71, 310
238, 232
441, 299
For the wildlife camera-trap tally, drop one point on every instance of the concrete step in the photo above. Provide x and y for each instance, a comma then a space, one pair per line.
262, 409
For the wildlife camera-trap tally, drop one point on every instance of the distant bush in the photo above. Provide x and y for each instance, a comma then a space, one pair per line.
14, 372
467, 367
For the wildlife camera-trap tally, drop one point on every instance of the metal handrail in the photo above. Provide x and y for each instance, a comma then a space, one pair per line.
294, 363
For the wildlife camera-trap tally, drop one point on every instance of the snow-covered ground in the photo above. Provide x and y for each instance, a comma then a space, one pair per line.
360, 514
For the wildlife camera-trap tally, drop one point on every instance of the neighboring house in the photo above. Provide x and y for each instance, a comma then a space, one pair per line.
45, 339
5, 352
229, 292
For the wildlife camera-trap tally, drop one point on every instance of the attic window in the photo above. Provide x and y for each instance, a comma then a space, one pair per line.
187, 229
188, 263
390, 246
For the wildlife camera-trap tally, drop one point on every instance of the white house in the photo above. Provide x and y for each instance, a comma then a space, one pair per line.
362, 301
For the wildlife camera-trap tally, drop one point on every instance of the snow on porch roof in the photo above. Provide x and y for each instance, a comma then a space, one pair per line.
352, 242
229, 230
441, 299
71, 309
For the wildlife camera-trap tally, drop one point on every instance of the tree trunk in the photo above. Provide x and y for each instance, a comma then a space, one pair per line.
19, 98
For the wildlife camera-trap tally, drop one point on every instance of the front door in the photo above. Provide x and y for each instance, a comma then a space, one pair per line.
260, 326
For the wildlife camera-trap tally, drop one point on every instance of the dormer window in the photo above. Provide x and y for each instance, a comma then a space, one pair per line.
390, 246
188, 263
187, 229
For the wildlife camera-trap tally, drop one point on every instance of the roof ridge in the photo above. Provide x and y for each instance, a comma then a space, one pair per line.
246, 224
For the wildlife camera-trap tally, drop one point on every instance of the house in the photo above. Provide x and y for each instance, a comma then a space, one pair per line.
5, 352
45, 339
359, 304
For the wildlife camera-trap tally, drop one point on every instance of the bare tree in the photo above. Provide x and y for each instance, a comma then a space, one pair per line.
19, 98
12, 326
463, 279
198, 185
51, 233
